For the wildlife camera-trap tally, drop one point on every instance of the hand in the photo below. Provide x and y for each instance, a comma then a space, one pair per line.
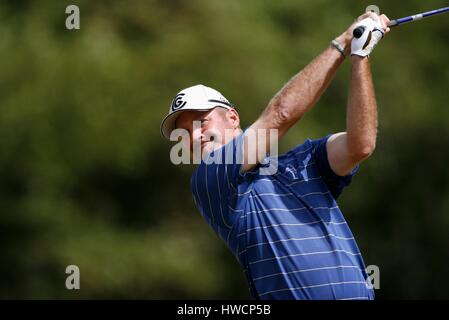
346, 37
370, 32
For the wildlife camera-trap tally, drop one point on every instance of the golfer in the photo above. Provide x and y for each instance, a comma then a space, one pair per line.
285, 228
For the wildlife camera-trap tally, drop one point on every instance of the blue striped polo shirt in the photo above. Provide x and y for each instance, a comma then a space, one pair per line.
286, 229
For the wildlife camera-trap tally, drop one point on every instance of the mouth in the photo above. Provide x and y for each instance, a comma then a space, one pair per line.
204, 142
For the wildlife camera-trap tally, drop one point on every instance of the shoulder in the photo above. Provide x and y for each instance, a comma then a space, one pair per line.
308, 147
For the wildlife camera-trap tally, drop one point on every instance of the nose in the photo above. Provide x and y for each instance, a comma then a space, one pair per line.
197, 133
197, 136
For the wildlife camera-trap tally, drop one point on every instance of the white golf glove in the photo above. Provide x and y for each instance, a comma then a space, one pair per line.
372, 33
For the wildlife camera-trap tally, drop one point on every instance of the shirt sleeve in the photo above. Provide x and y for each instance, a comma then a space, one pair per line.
215, 182
334, 182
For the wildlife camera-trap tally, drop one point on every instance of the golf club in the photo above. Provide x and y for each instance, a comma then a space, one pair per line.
393, 23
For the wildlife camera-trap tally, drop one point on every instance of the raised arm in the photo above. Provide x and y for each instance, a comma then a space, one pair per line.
294, 100
302, 92
346, 150
299, 94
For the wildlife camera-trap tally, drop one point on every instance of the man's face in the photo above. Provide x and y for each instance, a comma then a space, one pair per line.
210, 132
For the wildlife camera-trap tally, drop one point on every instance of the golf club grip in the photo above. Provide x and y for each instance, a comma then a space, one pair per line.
357, 33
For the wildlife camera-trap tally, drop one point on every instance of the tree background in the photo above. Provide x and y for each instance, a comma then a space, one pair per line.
85, 177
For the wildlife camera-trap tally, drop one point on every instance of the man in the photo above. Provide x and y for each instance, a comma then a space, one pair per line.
286, 229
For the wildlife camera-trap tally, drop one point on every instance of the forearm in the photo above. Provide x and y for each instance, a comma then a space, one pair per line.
306, 87
361, 121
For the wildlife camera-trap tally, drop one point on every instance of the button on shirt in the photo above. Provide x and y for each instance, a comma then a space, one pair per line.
285, 229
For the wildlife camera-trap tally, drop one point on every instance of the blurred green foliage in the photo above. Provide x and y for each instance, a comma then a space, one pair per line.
85, 177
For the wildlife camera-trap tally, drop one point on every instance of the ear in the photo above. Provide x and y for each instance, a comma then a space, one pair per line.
234, 117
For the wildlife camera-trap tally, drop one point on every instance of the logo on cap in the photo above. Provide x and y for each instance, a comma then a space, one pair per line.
178, 103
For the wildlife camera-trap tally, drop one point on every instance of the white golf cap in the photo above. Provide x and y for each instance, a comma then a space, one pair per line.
199, 98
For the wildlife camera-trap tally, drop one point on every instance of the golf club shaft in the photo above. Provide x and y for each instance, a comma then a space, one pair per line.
393, 23
419, 16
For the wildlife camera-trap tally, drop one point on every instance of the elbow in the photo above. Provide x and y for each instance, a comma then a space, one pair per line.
282, 115
364, 151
